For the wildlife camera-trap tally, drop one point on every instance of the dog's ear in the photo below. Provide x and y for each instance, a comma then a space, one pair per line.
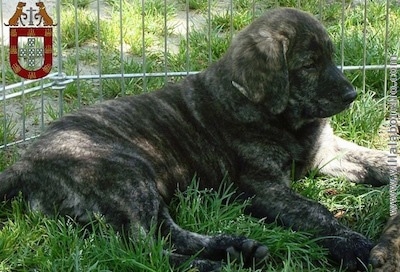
260, 70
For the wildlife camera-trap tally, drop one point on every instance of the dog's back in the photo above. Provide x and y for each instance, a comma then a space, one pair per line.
100, 159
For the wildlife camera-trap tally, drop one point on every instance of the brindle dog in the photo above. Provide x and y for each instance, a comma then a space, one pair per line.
252, 115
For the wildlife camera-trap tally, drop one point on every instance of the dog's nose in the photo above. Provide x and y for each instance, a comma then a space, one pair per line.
349, 96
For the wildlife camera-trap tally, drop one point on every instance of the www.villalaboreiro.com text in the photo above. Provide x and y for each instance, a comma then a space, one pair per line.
393, 105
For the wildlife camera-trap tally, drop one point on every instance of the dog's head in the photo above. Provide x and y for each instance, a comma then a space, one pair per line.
284, 61
21, 4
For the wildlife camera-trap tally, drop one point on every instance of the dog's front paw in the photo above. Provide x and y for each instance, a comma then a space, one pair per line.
250, 252
349, 248
385, 256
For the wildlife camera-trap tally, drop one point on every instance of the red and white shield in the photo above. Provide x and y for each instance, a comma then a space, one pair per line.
31, 61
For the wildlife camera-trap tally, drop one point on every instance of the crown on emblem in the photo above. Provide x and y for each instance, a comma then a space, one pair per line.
48, 49
48, 32
31, 32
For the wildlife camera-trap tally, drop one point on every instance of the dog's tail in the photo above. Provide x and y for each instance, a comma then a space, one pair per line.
10, 181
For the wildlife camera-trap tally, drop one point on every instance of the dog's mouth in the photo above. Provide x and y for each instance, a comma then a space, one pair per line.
327, 109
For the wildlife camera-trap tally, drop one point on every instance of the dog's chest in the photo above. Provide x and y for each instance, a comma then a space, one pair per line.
304, 148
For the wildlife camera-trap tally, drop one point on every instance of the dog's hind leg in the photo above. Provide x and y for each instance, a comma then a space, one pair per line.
210, 250
10, 181
340, 158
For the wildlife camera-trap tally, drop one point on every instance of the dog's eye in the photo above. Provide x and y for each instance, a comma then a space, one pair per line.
309, 66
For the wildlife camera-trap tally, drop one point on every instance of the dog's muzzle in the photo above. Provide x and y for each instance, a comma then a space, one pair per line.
349, 96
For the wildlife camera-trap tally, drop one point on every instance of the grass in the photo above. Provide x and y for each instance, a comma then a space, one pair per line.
362, 122
8, 129
32, 242
195, 4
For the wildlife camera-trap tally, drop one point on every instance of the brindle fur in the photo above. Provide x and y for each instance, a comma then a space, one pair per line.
250, 116
385, 256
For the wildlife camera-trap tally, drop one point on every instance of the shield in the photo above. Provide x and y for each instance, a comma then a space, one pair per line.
34, 59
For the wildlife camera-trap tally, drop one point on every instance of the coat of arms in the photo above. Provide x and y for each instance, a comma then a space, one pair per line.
31, 41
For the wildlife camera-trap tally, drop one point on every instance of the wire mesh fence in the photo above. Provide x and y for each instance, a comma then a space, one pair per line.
108, 48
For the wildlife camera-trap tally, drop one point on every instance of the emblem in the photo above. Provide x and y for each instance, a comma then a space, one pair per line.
31, 44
